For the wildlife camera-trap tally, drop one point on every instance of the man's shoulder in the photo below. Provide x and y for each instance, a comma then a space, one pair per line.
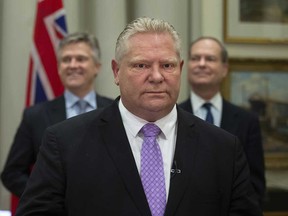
186, 105
205, 133
184, 102
103, 101
47, 103
42, 106
245, 113
200, 124
80, 122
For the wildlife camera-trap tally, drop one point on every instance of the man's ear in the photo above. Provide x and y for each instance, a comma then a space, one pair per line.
225, 70
115, 69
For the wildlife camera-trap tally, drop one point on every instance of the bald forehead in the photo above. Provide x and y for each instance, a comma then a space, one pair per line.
206, 43
206, 47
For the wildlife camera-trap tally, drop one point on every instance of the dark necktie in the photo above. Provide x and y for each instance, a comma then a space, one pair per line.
152, 170
209, 116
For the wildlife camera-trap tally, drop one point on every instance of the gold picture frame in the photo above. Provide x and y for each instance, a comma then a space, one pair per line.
259, 22
259, 85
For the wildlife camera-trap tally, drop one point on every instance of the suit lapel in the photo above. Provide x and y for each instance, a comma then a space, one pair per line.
119, 148
100, 101
186, 105
228, 118
186, 149
56, 110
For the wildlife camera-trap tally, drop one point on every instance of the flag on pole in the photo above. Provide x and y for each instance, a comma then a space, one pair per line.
43, 82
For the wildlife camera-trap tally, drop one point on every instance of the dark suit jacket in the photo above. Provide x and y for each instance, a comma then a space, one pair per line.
246, 127
86, 167
28, 138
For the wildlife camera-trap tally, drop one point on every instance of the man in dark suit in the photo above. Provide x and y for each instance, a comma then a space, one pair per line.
97, 163
207, 67
79, 64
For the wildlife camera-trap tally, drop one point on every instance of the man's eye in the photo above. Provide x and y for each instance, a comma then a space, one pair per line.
211, 59
194, 58
66, 60
141, 66
81, 58
168, 66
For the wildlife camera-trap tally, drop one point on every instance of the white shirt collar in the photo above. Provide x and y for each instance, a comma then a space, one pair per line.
197, 101
71, 99
133, 124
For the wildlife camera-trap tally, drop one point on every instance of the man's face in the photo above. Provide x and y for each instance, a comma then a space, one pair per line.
149, 75
77, 68
205, 66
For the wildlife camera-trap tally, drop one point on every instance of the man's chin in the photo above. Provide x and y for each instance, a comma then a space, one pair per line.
74, 84
201, 83
157, 105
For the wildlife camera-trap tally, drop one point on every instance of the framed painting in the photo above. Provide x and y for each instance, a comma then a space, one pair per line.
256, 21
260, 85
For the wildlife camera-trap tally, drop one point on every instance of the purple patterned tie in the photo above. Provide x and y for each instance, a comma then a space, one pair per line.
152, 171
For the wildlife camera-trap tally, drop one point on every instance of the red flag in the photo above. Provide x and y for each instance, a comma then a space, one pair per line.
50, 27
43, 82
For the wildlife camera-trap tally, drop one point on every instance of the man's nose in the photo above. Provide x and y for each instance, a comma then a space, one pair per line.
202, 61
73, 62
156, 73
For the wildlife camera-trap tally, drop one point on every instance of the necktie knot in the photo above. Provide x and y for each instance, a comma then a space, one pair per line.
150, 130
82, 105
209, 116
207, 106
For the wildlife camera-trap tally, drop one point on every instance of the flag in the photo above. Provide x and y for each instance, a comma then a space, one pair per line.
43, 82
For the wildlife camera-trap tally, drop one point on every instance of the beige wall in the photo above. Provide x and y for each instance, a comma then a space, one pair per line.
106, 19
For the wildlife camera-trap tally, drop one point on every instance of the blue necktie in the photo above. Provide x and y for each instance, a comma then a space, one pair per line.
209, 116
82, 105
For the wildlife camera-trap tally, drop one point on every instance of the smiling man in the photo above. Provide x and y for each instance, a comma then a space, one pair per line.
78, 65
207, 67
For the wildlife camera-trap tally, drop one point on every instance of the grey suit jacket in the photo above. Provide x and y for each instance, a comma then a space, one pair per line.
86, 167
28, 138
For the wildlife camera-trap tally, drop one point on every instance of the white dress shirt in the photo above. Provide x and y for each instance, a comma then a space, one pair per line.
201, 112
166, 139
